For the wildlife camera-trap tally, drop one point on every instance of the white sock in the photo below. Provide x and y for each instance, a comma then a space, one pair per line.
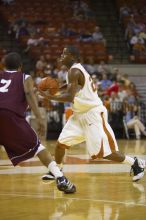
55, 169
129, 160
60, 165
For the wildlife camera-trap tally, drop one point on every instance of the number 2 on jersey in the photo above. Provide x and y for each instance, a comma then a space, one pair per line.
6, 83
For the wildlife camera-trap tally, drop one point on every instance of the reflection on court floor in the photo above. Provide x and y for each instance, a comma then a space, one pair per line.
105, 190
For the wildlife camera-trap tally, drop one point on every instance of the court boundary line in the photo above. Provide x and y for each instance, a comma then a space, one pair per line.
40, 196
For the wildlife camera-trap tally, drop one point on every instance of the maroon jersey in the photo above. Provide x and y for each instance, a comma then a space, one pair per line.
12, 96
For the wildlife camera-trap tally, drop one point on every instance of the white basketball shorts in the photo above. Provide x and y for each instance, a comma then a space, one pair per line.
93, 128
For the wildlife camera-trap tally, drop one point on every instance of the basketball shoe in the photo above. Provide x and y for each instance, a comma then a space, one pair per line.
63, 184
138, 169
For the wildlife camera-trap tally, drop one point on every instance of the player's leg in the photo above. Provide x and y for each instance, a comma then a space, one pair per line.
101, 142
137, 165
63, 184
28, 145
60, 152
71, 134
46, 159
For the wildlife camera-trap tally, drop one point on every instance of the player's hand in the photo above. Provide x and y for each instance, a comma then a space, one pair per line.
45, 94
41, 126
45, 103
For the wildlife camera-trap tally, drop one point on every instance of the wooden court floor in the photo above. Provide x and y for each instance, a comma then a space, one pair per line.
105, 190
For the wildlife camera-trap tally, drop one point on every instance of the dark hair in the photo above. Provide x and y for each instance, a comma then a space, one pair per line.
13, 61
73, 51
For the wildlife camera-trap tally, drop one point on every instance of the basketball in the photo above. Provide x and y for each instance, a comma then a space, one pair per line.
50, 84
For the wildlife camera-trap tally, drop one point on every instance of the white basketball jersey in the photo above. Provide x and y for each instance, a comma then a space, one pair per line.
87, 97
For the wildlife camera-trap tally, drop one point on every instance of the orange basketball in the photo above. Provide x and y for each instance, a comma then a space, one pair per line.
50, 84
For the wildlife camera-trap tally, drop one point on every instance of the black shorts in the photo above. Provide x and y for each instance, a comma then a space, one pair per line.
18, 138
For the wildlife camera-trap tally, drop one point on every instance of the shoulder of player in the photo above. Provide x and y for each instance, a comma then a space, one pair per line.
28, 81
75, 72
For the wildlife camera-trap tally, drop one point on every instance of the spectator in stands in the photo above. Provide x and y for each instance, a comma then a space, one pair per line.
98, 36
115, 74
126, 79
103, 67
23, 31
20, 25
134, 122
88, 13
133, 40
142, 35
82, 11
7, 2
91, 67
133, 90
48, 59
122, 92
85, 36
128, 34
33, 41
78, 13
113, 88
136, 40
124, 11
131, 98
63, 31
32, 30
115, 102
105, 82
41, 64
49, 71
39, 75
66, 31
143, 10
139, 48
134, 11
132, 23
131, 30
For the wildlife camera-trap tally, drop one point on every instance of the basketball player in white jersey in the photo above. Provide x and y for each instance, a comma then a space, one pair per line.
89, 121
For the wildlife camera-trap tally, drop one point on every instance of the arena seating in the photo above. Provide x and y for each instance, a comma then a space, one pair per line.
48, 14
138, 18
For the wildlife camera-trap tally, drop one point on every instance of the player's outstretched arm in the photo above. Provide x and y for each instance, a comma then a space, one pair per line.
33, 104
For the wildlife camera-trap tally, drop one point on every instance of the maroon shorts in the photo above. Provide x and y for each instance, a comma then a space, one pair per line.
18, 138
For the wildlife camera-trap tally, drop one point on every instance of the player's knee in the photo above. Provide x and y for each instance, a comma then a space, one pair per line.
62, 146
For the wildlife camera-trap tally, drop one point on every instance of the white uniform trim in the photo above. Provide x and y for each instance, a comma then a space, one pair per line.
40, 148
26, 76
14, 71
11, 71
